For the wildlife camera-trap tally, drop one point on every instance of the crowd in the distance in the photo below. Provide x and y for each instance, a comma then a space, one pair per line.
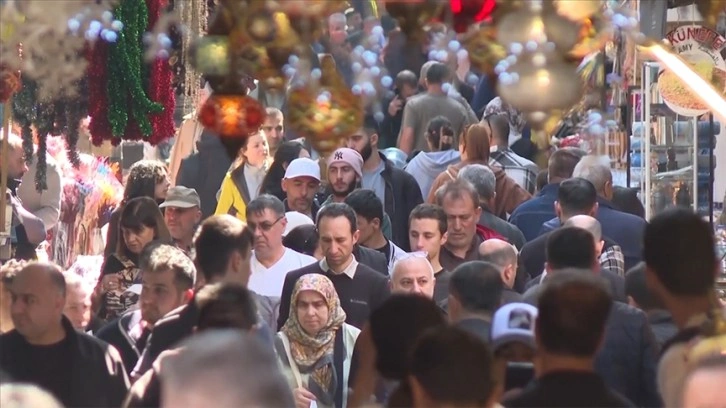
466, 276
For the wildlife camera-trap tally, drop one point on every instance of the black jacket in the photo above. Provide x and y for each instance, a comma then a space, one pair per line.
479, 327
371, 258
205, 170
97, 376
178, 324
628, 359
402, 196
124, 334
663, 326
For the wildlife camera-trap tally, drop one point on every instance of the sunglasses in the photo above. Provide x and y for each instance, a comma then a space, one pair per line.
264, 226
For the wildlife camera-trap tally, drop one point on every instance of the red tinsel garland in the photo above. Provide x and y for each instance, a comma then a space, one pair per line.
97, 72
160, 84
159, 90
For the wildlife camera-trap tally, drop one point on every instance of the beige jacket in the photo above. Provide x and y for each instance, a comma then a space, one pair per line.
184, 144
44, 204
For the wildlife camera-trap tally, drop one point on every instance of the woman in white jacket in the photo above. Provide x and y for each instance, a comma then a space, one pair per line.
315, 345
426, 166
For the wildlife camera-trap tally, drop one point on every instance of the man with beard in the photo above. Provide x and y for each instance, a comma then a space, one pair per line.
301, 182
397, 190
167, 281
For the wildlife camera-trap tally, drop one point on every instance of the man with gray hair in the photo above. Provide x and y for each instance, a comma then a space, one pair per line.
413, 274
224, 368
484, 181
503, 255
623, 228
270, 261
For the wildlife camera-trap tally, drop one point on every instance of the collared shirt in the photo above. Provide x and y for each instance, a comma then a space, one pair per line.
450, 261
518, 168
349, 270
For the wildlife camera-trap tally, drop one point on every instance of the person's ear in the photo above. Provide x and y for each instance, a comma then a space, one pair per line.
376, 222
444, 238
188, 295
283, 222
283, 184
632, 302
477, 212
284, 165
374, 140
599, 247
558, 209
356, 235
198, 217
548, 268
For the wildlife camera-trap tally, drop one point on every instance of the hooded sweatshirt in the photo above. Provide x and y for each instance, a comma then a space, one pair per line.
425, 167
509, 193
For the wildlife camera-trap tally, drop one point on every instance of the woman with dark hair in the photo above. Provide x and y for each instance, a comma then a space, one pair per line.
426, 166
141, 222
147, 178
287, 152
304, 239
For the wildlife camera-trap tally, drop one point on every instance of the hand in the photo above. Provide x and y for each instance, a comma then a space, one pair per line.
395, 106
303, 397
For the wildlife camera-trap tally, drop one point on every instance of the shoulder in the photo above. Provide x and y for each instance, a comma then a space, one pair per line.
92, 346
367, 273
109, 330
170, 318
302, 258
535, 244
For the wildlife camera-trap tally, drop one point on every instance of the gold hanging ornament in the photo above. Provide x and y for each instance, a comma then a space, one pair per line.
710, 11
578, 10
325, 113
484, 51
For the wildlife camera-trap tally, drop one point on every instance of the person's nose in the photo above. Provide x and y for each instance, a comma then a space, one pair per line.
349, 144
458, 224
417, 289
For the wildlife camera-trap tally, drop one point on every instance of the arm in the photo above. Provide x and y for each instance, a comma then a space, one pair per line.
406, 138
34, 228
50, 199
118, 381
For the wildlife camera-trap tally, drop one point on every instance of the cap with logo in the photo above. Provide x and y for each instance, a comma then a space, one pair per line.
303, 167
513, 322
181, 197
347, 156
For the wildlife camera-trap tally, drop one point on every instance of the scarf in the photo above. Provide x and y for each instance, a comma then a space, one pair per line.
314, 354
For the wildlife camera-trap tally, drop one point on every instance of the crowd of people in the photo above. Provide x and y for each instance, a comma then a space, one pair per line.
468, 277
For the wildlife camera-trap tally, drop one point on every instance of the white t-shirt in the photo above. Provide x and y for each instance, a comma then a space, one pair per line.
269, 281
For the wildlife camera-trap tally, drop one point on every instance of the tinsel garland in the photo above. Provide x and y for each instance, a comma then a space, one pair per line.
129, 104
97, 72
160, 84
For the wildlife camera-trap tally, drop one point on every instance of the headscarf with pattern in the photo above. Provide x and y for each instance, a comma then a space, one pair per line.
517, 121
314, 354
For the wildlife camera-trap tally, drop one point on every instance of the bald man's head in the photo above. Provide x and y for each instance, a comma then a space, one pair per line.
413, 274
503, 255
38, 293
590, 225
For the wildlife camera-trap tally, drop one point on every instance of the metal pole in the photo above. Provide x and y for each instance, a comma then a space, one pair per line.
7, 114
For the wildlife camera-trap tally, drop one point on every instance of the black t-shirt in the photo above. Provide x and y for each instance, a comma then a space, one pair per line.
49, 367
386, 251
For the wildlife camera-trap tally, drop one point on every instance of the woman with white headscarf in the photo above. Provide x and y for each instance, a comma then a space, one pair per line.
315, 346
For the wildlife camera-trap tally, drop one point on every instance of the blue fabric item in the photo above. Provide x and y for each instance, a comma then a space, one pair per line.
530, 215
623, 228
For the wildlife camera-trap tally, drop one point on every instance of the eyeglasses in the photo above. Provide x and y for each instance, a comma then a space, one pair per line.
264, 226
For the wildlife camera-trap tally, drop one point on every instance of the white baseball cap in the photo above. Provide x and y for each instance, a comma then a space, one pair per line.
295, 219
513, 322
303, 167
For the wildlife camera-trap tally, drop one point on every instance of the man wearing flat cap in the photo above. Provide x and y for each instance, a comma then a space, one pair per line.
182, 215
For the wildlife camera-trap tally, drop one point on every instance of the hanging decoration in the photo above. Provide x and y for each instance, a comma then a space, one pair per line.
130, 100
327, 111
192, 14
9, 83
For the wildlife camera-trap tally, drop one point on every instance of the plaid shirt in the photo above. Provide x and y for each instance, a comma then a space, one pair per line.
521, 170
612, 258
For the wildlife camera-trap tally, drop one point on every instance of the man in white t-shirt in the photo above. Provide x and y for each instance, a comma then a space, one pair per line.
271, 261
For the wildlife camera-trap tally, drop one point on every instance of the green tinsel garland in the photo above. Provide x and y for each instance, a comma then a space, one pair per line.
126, 90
